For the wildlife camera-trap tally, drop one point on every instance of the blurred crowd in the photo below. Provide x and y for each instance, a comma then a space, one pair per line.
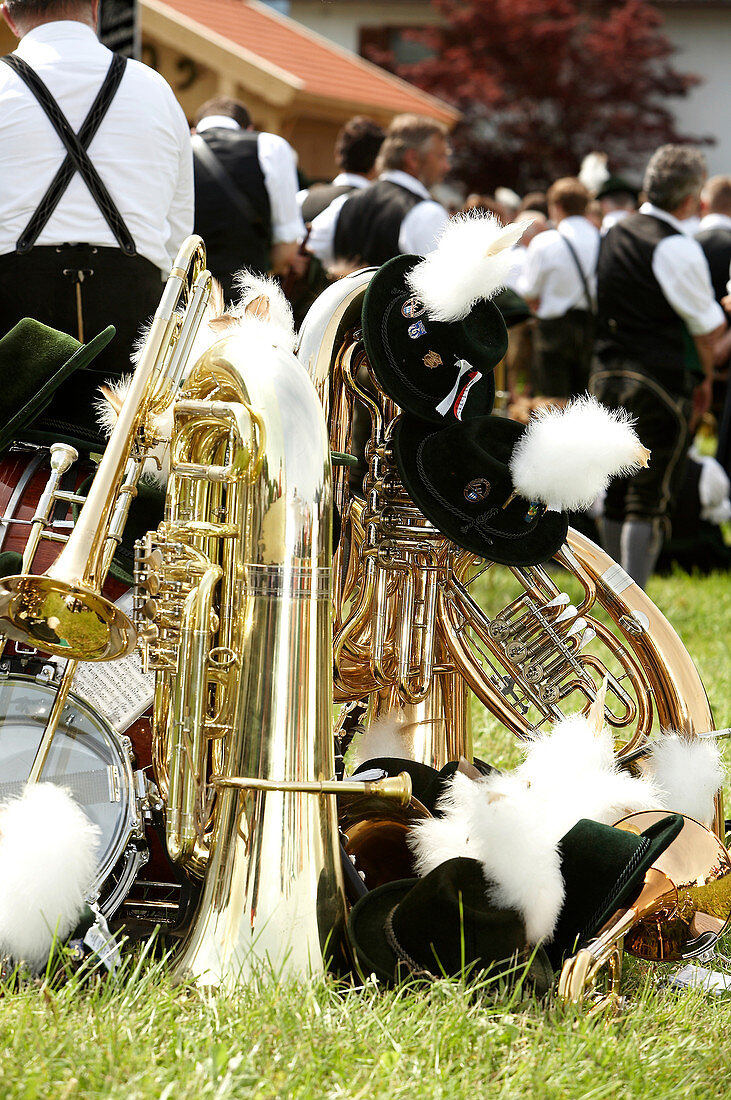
620, 287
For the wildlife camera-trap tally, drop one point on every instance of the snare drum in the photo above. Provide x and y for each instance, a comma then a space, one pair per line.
90, 760
87, 756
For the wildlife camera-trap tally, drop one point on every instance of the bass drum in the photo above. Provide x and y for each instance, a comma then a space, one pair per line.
106, 771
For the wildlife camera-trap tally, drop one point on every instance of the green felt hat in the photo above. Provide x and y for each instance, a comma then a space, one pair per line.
433, 369
34, 361
442, 925
460, 479
603, 868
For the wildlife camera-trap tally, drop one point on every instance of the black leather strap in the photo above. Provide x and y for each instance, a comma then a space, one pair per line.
213, 166
77, 158
589, 299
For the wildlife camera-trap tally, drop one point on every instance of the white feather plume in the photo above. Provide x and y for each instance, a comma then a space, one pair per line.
566, 457
48, 860
495, 821
277, 316
513, 823
593, 171
688, 772
471, 261
262, 316
383, 738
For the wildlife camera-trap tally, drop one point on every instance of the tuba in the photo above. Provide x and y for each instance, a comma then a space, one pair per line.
415, 632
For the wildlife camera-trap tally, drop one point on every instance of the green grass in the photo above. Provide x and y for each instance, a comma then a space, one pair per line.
135, 1036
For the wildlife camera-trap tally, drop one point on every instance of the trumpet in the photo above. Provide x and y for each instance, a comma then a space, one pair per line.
680, 912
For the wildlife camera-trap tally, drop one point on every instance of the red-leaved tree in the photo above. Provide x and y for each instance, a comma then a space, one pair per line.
543, 82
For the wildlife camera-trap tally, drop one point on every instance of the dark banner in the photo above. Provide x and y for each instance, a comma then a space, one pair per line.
119, 26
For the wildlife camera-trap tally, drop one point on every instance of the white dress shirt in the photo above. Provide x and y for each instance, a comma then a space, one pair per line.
680, 267
419, 233
714, 221
278, 164
550, 273
141, 150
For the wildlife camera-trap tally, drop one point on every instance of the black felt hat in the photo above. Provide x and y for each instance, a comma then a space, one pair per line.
460, 479
603, 868
34, 361
433, 369
441, 925
427, 784
616, 185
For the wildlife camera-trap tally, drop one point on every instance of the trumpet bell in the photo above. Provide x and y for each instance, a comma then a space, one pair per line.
68, 620
691, 922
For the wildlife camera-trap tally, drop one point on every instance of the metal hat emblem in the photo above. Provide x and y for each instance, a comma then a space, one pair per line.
416, 330
433, 359
413, 307
477, 489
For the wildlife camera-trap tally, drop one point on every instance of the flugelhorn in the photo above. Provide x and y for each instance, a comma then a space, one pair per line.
680, 912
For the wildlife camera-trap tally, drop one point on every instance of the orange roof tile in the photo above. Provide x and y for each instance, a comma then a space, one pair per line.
318, 66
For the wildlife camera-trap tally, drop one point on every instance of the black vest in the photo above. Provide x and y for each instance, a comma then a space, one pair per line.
319, 197
232, 241
368, 226
635, 320
716, 243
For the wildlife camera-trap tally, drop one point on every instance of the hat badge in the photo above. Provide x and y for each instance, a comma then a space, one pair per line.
477, 489
413, 307
432, 359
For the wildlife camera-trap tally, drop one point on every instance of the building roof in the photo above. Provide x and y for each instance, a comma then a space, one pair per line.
300, 58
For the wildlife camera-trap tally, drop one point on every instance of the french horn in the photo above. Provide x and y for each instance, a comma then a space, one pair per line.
413, 633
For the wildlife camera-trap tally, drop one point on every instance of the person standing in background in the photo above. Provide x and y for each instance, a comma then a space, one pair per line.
246, 207
86, 238
559, 282
658, 324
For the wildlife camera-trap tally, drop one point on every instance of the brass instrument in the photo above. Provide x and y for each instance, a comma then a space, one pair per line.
412, 634
681, 910
234, 608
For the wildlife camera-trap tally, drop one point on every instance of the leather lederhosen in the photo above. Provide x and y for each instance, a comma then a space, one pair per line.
79, 288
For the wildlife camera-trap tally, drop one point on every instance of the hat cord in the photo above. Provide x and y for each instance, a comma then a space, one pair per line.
480, 522
402, 955
619, 885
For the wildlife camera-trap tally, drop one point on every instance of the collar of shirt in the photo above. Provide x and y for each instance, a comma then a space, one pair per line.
403, 179
715, 221
68, 30
656, 212
220, 122
351, 179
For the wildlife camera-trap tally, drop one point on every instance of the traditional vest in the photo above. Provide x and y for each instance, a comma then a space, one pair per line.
716, 243
319, 197
232, 239
635, 320
368, 226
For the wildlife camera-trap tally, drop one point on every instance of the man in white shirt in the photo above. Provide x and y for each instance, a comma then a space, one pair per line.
73, 259
658, 324
246, 206
559, 281
397, 213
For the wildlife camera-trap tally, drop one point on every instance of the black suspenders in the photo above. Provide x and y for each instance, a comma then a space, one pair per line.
77, 158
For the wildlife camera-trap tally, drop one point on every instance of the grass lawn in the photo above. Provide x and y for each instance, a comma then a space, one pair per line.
136, 1037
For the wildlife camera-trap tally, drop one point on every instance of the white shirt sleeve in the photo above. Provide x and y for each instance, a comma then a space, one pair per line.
278, 164
531, 280
680, 267
321, 241
180, 214
422, 227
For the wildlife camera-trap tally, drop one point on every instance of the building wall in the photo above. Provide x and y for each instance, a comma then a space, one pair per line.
341, 22
703, 39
